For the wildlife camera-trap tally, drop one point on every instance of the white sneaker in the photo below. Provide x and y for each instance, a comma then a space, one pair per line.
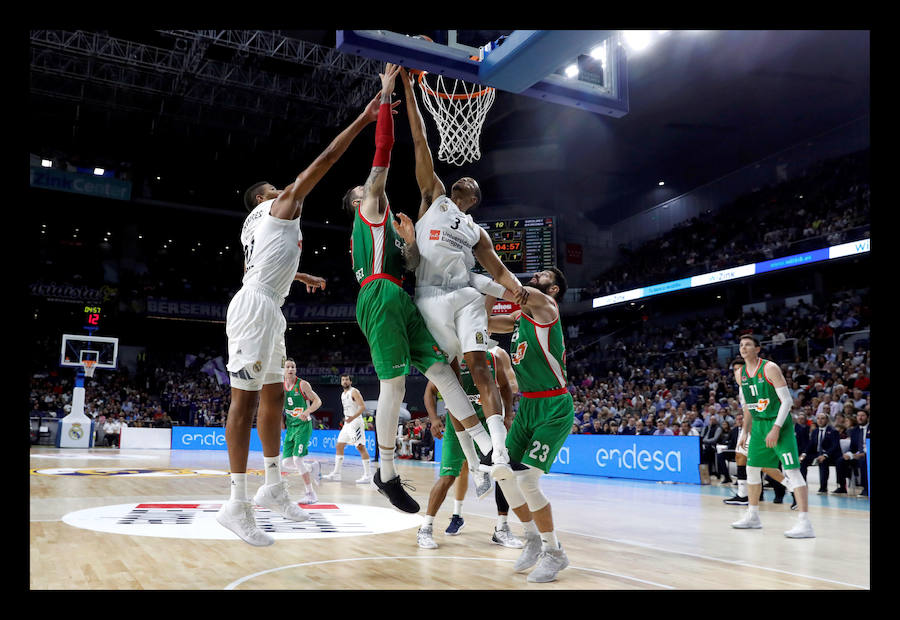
315, 473
309, 498
238, 517
425, 539
275, 498
333, 477
482, 481
803, 529
550, 563
364, 480
748, 522
530, 553
501, 469
505, 538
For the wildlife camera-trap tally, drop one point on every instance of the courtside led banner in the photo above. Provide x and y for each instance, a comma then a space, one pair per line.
213, 438
641, 457
734, 273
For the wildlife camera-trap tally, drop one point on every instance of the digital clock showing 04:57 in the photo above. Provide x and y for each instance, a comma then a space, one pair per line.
92, 316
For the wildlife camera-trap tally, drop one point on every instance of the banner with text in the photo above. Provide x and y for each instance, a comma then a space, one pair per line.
77, 183
212, 311
673, 459
213, 438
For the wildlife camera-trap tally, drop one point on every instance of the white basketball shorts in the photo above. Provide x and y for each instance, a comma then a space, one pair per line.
255, 328
353, 433
457, 320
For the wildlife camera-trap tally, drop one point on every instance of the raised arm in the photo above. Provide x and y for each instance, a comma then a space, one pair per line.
430, 185
486, 256
289, 203
375, 200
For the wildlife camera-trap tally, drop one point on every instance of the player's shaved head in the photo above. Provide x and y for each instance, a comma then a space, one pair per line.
252, 192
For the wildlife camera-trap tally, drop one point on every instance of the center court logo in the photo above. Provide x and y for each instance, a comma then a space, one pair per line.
196, 520
632, 458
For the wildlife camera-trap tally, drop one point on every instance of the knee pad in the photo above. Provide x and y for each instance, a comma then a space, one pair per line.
795, 478
754, 475
511, 491
529, 483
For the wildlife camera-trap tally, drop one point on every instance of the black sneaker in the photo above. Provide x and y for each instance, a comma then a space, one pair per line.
396, 494
840, 491
778, 500
456, 524
737, 500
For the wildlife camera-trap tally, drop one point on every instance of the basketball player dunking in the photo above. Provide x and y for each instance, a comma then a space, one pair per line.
255, 328
382, 250
353, 432
449, 242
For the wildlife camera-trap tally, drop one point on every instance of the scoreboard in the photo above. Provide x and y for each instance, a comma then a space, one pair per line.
524, 245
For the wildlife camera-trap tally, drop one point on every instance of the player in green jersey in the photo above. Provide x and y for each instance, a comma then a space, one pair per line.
382, 250
543, 421
452, 456
300, 402
767, 403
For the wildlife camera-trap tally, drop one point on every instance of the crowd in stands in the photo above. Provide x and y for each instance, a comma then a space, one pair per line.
827, 205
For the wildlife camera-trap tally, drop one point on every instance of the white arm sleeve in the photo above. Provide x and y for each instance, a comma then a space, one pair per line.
741, 397
486, 285
786, 403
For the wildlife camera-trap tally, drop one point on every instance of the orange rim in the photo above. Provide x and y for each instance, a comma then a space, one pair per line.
431, 92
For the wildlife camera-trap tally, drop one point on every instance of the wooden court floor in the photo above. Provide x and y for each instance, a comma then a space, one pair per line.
107, 519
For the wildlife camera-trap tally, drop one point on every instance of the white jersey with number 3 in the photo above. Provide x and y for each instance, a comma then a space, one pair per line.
445, 236
271, 249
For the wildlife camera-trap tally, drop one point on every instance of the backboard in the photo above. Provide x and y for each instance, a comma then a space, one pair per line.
76, 348
534, 63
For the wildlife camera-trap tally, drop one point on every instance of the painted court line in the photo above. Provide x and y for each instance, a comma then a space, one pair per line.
234, 584
715, 559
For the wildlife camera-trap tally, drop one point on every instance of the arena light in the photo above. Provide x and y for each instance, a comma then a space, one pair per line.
99, 171
46, 163
599, 52
638, 40
572, 70
661, 183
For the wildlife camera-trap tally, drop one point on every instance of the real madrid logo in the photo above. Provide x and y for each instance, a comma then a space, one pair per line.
257, 366
479, 337
76, 432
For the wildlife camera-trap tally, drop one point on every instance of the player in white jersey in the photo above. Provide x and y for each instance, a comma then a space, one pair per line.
353, 432
449, 243
255, 328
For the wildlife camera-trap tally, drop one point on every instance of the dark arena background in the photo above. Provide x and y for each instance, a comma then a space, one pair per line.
724, 191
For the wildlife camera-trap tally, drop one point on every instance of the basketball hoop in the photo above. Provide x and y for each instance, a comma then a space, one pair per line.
459, 109
89, 367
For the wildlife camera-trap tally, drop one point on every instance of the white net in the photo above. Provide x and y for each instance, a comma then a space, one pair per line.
459, 109
89, 367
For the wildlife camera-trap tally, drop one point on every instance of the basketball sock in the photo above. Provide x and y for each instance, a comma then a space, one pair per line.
530, 527
390, 396
549, 541
308, 485
338, 463
429, 521
457, 507
501, 522
803, 516
481, 438
239, 487
365, 465
754, 510
386, 464
467, 444
272, 466
498, 433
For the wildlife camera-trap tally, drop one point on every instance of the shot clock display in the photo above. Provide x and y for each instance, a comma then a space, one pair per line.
92, 316
524, 245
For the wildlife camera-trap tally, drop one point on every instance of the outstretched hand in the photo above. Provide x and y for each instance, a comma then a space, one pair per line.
371, 111
388, 77
406, 228
312, 282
